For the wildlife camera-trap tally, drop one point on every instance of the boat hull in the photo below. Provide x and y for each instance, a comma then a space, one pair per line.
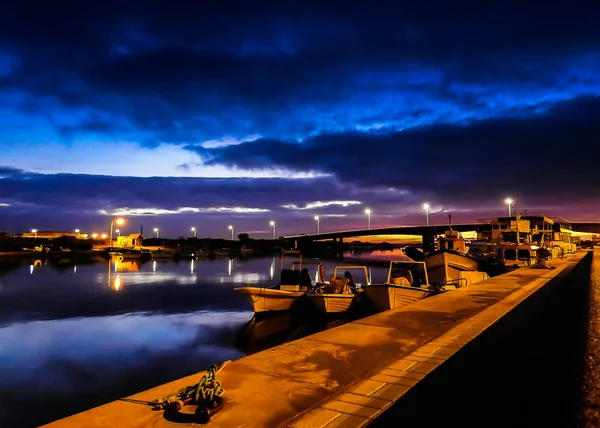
445, 266
388, 296
332, 303
270, 299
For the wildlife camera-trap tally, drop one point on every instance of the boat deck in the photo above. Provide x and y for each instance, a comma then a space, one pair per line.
350, 374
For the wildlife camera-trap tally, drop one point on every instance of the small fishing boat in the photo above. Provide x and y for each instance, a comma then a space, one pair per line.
341, 292
444, 266
407, 282
294, 284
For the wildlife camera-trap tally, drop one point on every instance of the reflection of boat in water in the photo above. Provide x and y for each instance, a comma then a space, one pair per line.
264, 331
444, 266
130, 253
293, 285
407, 282
341, 292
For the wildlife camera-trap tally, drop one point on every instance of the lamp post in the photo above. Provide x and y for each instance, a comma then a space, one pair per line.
508, 201
118, 232
119, 221
368, 213
34, 231
272, 223
156, 231
426, 208
230, 227
193, 229
318, 224
77, 232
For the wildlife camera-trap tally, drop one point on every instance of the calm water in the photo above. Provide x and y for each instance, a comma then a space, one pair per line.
73, 336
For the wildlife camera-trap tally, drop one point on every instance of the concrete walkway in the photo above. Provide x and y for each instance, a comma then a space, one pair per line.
348, 375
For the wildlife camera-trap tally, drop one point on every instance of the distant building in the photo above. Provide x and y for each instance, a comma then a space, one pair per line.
45, 234
133, 240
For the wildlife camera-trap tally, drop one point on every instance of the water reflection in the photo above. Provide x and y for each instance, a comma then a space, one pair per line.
77, 333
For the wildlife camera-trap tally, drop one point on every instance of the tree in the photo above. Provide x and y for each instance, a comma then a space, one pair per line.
243, 236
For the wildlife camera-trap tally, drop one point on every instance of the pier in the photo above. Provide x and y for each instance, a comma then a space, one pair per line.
370, 371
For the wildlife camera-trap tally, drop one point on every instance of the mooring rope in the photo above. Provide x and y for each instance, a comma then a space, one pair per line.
205, 390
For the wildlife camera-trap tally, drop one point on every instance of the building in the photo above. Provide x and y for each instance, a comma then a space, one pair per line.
133, 240
45, 234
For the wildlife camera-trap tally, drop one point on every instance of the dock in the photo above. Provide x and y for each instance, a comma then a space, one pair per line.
356, 374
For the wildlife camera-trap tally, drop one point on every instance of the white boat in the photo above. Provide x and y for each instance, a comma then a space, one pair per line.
407, 282
293, 286
445, 265
341, 292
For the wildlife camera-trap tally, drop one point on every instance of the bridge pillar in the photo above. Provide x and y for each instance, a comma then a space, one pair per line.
428, 242
338, 244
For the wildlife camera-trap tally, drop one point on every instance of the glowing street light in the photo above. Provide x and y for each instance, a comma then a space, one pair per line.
34, 231
103, 236
119, 221
272, 223
368, 213
426, 208
318, 224
508, 201
231, 228
77, 232
156, 231
94, 235
193, 229
118, 232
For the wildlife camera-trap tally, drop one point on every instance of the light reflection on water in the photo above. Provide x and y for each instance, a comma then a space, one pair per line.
111, 329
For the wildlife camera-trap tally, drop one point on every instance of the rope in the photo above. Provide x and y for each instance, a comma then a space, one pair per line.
205, 390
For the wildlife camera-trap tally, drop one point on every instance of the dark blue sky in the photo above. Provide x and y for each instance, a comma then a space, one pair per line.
178, 115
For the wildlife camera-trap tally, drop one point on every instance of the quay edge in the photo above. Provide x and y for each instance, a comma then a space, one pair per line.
352, 374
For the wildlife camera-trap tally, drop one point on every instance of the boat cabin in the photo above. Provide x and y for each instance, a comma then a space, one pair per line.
452, 241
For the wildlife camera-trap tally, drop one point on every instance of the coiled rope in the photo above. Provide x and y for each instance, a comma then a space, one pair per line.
204, 391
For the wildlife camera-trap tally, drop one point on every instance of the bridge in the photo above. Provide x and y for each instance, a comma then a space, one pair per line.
428, 233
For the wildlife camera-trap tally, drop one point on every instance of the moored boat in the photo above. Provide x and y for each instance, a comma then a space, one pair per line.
341, 293
444, 266
407, 282
294, 284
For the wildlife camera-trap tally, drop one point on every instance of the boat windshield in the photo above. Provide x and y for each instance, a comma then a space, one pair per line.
408, 273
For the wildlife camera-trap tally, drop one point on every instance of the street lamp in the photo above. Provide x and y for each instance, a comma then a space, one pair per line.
318, 224
118, 232
156, 231
272, 223
119, 221
508, 201
94, 235
34, 231
426, 208
77, 232
193, 229
231, 228
368, 213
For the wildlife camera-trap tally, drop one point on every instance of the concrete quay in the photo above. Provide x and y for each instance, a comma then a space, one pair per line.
356, 374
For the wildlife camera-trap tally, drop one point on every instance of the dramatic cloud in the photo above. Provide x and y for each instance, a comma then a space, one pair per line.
284, 110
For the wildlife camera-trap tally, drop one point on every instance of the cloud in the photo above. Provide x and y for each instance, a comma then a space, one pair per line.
456, 163
163, 73
106, 106
319, 204
126, 211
